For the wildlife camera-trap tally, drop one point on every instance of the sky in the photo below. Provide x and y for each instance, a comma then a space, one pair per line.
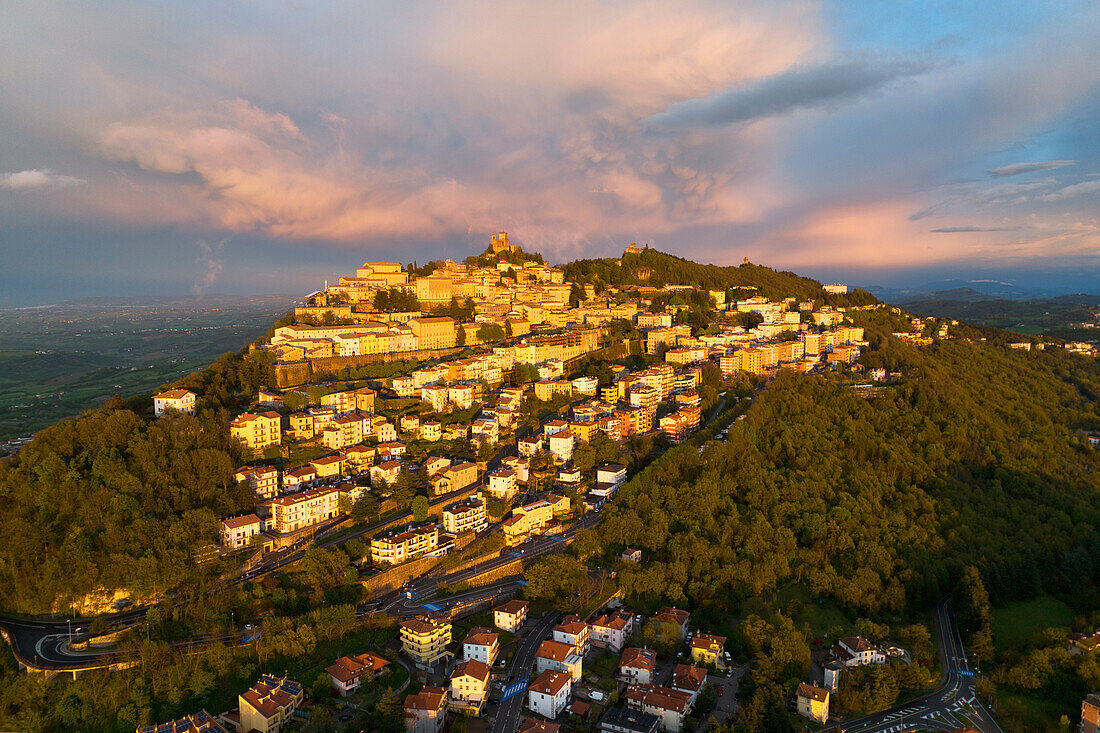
262, 147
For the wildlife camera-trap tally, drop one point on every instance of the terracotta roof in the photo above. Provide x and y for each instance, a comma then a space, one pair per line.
173, 394
481, 636
554, 650
473, 668
235, 522
813, 692
304, 496
574, 628
673, 615
346, 669
423, 624
512, 607
708, 642
270, 695
550, 682
639, 659
429, 698
688, 678
656, 696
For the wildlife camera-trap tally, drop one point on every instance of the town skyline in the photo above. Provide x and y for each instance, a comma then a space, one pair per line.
211, 149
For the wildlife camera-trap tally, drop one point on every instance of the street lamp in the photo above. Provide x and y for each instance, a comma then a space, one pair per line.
69, 621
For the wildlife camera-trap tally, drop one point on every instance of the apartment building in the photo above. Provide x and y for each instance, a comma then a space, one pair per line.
549, 694
559, 657
433, 332
481, 644
269, 704
200, 722
574, 632
291, 513
611, 630
707, 648
398, 548
812, 702
257, 431
263, 480
237, 531
426, 712
510, 616
469, 686
467, 515
637, 666
502, 484
424, 639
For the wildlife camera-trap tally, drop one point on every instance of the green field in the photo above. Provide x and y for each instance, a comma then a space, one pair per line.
1014, 623
59, 361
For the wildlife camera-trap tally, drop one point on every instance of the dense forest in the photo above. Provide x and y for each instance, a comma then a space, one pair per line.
114, 500
975, 457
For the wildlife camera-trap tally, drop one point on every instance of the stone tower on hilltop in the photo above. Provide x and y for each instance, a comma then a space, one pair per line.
499, 243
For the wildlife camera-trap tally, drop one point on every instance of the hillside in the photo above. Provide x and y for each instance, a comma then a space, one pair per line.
974, 457
651, 268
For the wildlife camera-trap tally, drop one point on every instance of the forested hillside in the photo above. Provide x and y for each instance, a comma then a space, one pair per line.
656, 269
974, 457
114, 500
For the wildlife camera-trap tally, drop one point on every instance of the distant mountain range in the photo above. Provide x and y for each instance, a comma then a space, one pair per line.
962, 290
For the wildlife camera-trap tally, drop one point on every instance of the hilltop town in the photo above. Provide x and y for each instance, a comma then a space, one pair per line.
468, 409
516, 409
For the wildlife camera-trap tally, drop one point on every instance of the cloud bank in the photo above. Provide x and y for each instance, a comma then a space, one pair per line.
38, 179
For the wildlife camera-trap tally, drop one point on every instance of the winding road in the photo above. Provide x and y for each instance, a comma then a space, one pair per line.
945, 707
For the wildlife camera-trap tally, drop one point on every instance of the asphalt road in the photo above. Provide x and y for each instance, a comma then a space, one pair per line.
937, 709
508, 712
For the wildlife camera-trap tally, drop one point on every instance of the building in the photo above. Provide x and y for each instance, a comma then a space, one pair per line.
424, 639
574, 632
812, 702
637, 666
707, 649
628, 720
263, 480
269, 704
561, 444
467, 515
549, 694
481, 644
436, 332
296, 479
454, 478
852, 651
425, 712
469, 686
559, 657
511, 616
610, 630
430, 431
291, 513
531, 519
200, 722
257, 431
502, 484
179, 400
329, 466
667, 704
611, 473
1090, 714
689, 680
237, 531
631, 554
398, 548
347, 673
674, 617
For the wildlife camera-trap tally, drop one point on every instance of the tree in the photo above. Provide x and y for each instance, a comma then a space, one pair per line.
324, 568
420, 508
555, 578
584, 457
489, 332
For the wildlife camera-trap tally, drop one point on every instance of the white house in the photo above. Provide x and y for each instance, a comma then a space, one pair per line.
549, 694
558, 657
174, 399
481, 644
511, 616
